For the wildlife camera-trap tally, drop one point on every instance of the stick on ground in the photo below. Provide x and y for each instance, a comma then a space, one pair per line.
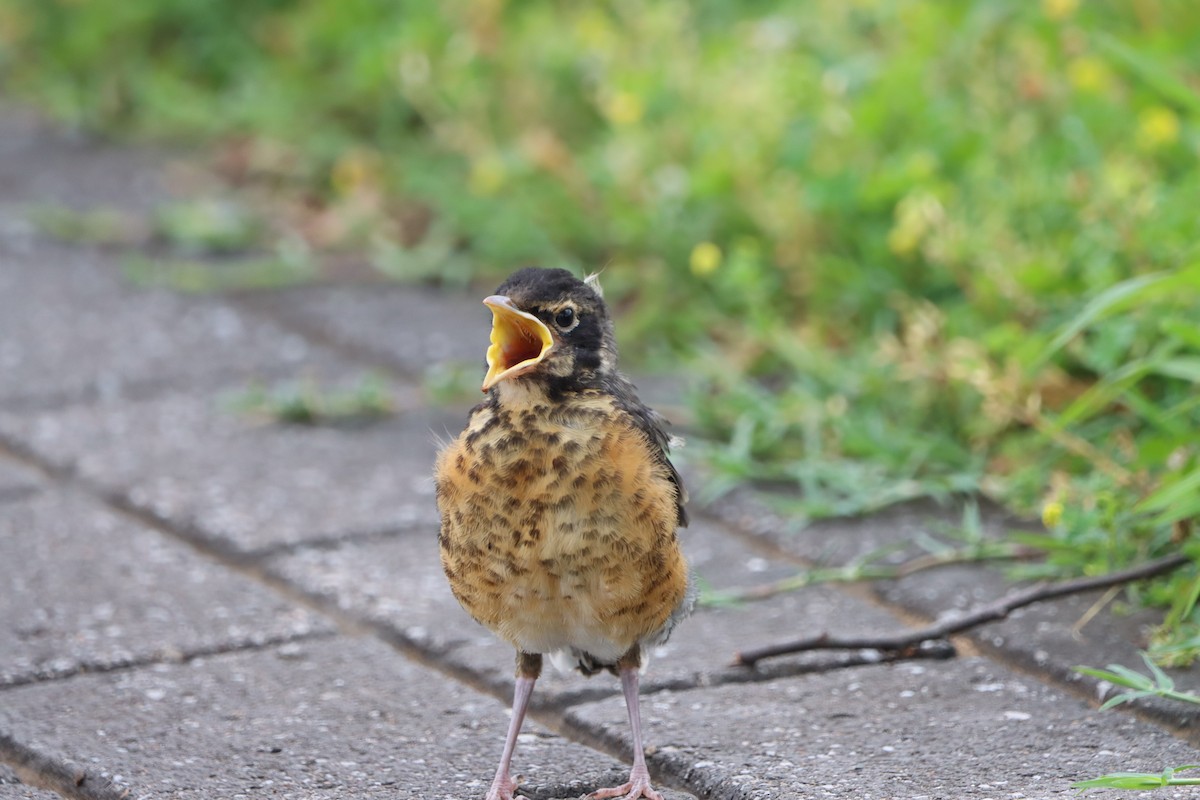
991, 612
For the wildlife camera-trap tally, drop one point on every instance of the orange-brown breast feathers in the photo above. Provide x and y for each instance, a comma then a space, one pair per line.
558, 527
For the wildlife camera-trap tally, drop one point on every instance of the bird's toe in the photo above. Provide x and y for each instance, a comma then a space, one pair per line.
637, 787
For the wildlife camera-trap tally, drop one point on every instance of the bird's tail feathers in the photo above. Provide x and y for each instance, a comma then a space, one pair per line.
571, 659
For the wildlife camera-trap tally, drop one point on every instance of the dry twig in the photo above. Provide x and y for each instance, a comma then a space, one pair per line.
991, 612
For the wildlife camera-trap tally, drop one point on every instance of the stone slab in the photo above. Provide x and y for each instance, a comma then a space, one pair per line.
890, 536
411, 328
328, 718
86, 589
11, 788
243, 482
16, 481
397, 583
965, 728
1052, 637
44, 163
71, 329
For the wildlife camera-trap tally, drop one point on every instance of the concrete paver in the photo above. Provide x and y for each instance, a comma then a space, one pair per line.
328, 718
398, 583
411, 328
16, 481
243, 482
105, 339
892, 535
948, 729
1051, 637
86, 589
11, 788
43, 164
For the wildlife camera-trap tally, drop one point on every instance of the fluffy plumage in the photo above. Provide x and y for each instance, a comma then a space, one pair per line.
559, 504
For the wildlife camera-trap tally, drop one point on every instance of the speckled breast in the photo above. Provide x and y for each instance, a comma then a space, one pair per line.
558, 527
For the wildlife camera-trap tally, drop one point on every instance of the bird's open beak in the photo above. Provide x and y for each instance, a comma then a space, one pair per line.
519, 341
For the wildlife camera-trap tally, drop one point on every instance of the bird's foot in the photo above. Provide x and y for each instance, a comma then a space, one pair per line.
638, 786
502, 789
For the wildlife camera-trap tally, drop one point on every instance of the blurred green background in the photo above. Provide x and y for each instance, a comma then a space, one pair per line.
908, 249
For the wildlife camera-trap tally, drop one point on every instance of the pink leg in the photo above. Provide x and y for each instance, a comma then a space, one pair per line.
639, 776
503, 785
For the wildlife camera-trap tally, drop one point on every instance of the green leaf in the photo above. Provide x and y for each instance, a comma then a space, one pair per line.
1123, 780
1125, 677
1140, 780
1097, 307
1161, 679
1103, 393
1172, 493
1154, 75
1186, 508
1184, 367
1185, 332
1183, 605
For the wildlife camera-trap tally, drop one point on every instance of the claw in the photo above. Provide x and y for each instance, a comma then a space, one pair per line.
638, 786
502, 789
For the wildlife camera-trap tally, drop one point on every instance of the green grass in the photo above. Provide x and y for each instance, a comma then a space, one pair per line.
1140, 781
1157, 684
102, 226
309, 403
198, 276
908, 249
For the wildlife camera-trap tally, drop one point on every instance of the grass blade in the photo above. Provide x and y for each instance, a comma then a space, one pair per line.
1097, 307
1169, 87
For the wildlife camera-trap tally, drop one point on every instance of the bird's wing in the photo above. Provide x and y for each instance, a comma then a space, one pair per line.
654, 425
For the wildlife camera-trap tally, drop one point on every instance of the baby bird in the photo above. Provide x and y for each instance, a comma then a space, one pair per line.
559, 506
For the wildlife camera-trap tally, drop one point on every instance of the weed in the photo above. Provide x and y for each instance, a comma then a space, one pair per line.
452, 383
291, 264
1157, 684
207, 226
308, 404
101, 226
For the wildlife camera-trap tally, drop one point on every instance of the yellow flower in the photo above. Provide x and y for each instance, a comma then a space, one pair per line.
706, 257
918, 214
351, 172
1059, 9
623, 108
594, 30
904, 239
1052, 514
1158, 126
487, 176
1088, 74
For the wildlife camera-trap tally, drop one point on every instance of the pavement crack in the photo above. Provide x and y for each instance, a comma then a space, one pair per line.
315, 334
35, 768
328, 542
15, 493
124, 664
137, 390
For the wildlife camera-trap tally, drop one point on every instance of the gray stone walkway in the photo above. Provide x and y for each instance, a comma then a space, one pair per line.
196, 602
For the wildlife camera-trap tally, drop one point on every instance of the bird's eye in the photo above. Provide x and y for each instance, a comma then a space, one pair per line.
565, 318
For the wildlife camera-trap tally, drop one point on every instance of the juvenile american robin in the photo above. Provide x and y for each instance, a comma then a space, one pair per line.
559, 505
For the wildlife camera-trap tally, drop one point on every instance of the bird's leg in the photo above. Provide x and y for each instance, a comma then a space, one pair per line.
529, 667
639, 776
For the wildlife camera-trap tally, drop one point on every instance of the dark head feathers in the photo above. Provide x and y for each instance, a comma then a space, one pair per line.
531, 286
